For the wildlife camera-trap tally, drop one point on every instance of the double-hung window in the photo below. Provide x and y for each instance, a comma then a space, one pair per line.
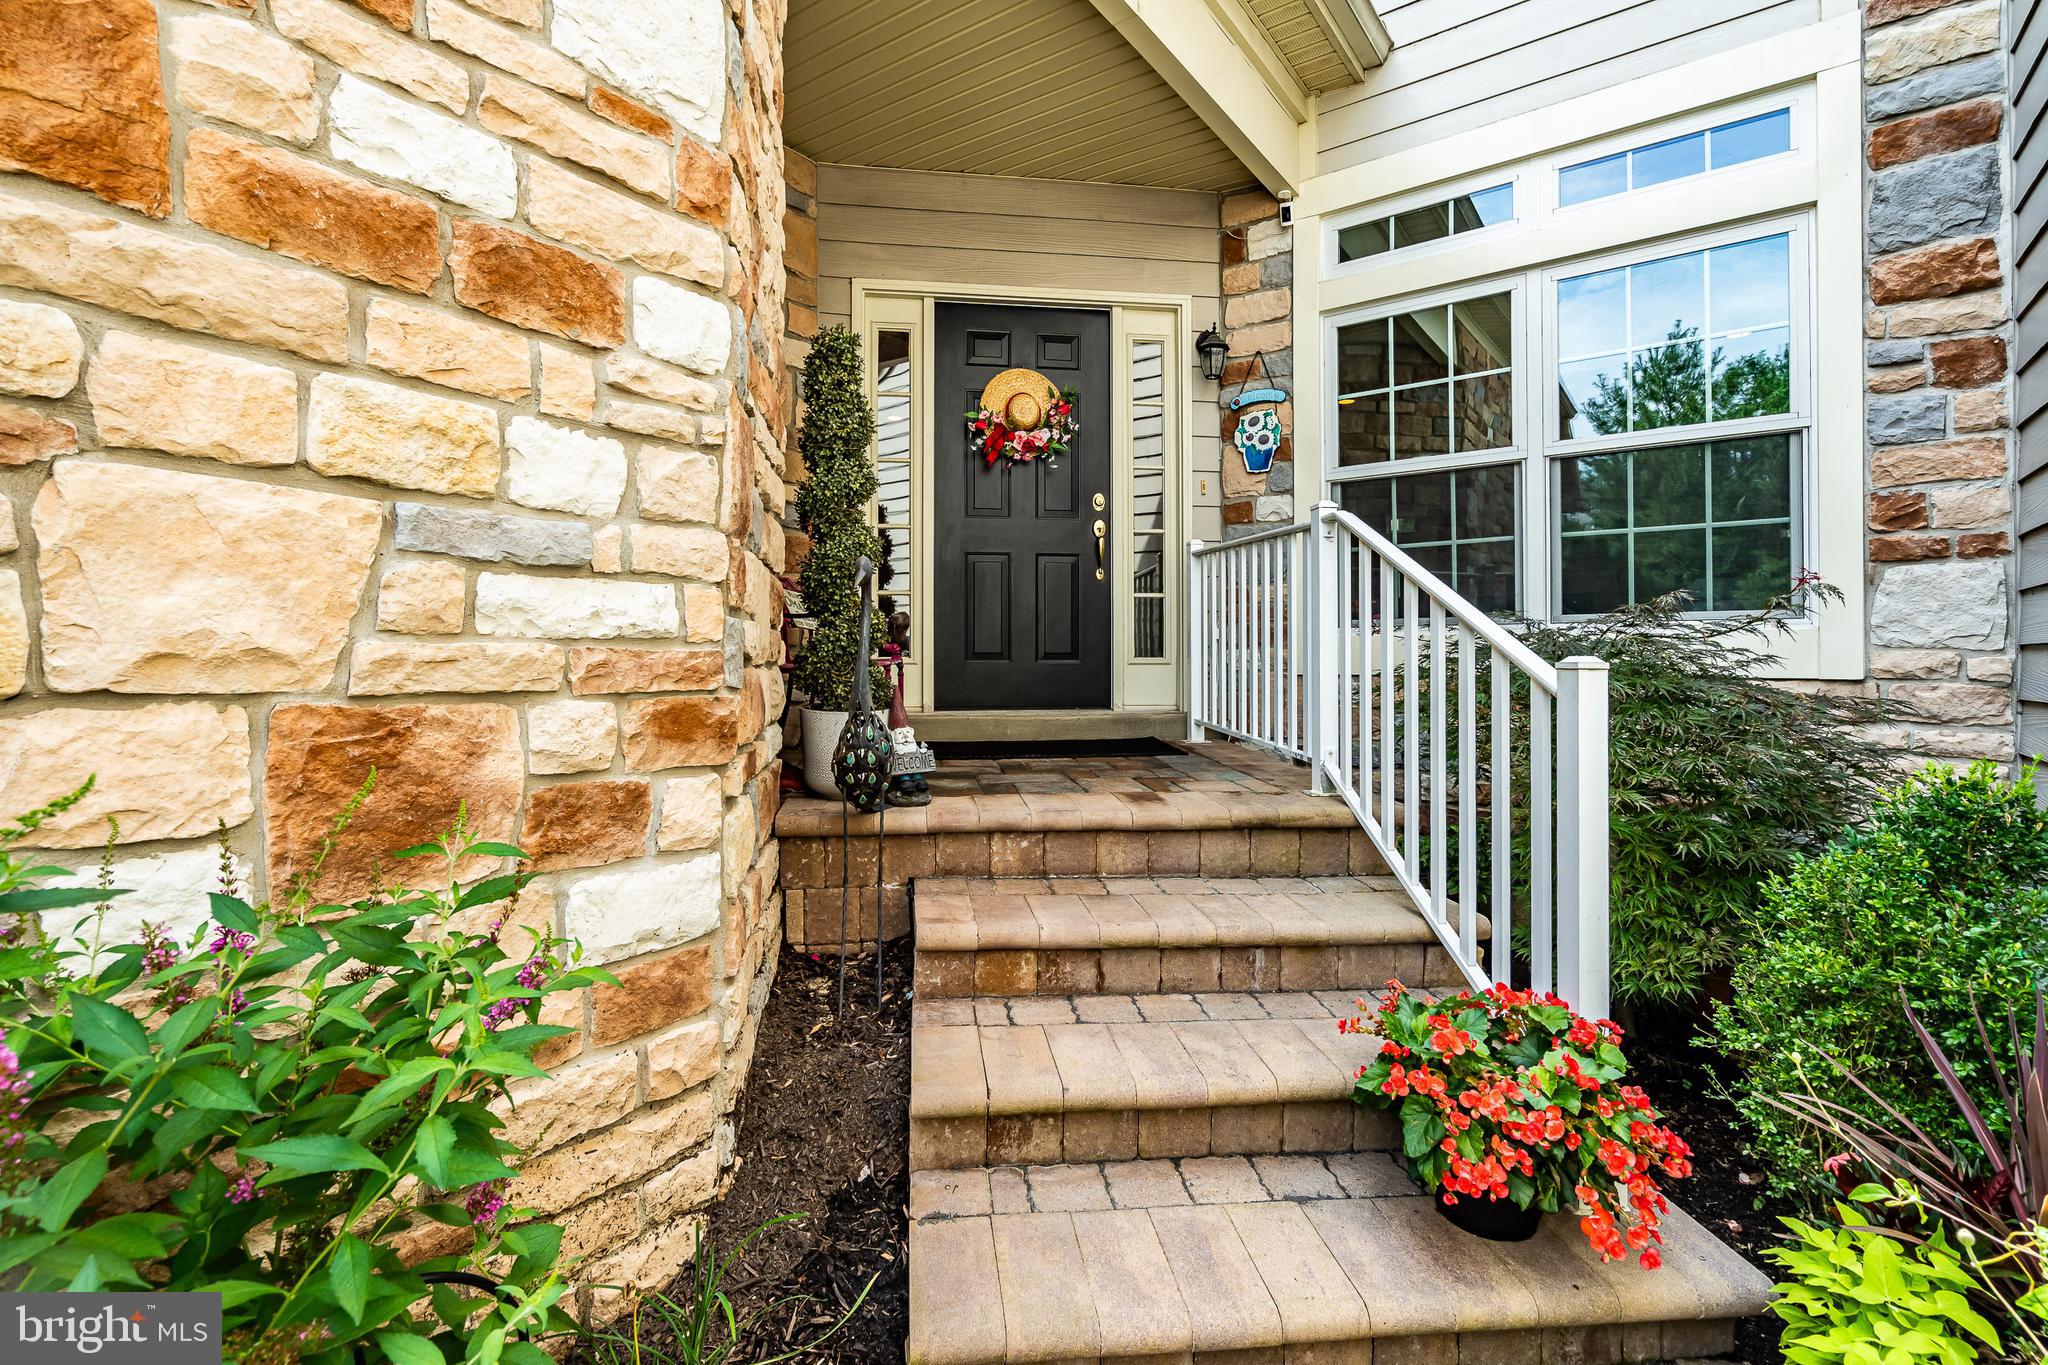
1428, 437
1591, 434
1677, 389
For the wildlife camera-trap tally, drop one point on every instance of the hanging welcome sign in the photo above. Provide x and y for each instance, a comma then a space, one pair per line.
1258, 423
1258, 427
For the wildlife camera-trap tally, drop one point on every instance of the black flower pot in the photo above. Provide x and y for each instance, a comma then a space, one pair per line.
1497, 1220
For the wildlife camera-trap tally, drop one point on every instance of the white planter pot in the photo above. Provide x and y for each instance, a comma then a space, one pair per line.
821, 737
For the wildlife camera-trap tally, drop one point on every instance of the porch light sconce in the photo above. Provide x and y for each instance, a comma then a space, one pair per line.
1213, 350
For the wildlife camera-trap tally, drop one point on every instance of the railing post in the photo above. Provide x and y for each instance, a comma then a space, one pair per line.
1197, 667
1582, 872
1320, 705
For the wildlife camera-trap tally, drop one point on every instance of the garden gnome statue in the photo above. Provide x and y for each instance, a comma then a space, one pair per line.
909, 761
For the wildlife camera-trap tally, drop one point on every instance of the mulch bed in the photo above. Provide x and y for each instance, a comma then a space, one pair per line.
1726, 1191
824, 1130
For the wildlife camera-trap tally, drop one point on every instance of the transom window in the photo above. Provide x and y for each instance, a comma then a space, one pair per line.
1427, 223
1676, 158
1671, 449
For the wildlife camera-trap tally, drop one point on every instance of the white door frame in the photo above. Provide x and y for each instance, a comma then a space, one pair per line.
910, 305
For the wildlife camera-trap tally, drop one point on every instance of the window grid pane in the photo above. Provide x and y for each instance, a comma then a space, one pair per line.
1708, 339
1435, 381
1462, 525
1713, 519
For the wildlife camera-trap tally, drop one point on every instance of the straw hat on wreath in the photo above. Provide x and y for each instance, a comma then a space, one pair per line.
1020, 399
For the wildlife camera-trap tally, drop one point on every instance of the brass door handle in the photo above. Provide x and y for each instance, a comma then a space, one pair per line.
1101, 544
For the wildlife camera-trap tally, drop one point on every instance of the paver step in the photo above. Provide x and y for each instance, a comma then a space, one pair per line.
1294, 1260
1090, 935
1043, 1079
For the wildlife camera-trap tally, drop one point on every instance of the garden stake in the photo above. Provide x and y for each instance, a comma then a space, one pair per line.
845, 874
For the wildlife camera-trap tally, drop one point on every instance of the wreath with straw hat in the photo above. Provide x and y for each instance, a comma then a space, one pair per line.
1023, 417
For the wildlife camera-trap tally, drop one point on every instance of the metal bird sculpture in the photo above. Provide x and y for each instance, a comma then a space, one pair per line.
860, 769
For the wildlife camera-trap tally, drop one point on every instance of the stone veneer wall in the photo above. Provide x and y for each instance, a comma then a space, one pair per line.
1258, 317
1940, 471
402, 383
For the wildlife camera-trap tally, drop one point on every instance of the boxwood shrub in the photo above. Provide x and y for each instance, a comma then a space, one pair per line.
1938, 896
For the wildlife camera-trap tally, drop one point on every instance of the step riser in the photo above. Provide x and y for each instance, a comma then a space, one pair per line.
1149, 971
1129, 1134
1639, 1343
815, 868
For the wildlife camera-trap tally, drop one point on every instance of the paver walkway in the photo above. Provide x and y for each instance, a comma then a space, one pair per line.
1131, 1139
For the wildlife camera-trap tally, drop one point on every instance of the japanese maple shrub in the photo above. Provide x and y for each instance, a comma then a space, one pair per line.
260, 1109
1510, 1095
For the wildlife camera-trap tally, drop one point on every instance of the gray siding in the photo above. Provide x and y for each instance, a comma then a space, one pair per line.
2026, 29
1459, 64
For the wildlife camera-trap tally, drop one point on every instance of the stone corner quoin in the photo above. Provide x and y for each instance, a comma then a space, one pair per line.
1940, 500
308, 491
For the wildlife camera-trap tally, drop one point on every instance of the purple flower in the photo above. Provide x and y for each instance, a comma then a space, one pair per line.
243, 1190
14, 1088
226, 940
485, 1202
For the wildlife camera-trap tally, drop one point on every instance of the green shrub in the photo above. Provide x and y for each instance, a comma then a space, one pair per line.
296, 1087
1718, 780
1857, 1297
1937, 898
838, 426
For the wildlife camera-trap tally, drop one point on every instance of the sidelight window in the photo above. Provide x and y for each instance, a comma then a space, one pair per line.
893, 523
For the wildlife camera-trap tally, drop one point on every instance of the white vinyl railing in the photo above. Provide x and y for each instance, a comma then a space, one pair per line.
1248, 619
1478, 769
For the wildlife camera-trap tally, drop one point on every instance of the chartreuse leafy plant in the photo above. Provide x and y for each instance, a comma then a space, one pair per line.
275, 1099
1510, 1095
1859, 1296
1936, 903
838, 426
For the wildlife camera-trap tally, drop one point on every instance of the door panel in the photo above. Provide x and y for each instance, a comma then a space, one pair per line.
1020, 618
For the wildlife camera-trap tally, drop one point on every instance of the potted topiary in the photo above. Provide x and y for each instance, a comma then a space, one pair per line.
838, 426
1511, 1107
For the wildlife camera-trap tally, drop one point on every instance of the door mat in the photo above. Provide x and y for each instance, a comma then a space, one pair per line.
1139, 747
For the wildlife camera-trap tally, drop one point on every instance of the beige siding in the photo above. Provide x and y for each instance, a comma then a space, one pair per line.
988, 232
1459, 64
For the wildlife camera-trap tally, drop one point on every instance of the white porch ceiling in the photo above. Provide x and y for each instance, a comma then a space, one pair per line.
1032, 88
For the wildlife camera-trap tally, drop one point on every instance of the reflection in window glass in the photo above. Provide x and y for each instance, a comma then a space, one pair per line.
893, 407
1708, 338
1361, 240
1592, 180
1752, 139
1428, 223
1673, 159
1436, 381
1422, 225
1713, 520
1658, 163
1148, 500
1458, 524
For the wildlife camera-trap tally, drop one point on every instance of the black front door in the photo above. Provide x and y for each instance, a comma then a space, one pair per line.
1021, 584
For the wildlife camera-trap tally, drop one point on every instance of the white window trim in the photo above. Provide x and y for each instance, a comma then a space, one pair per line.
1820, 67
